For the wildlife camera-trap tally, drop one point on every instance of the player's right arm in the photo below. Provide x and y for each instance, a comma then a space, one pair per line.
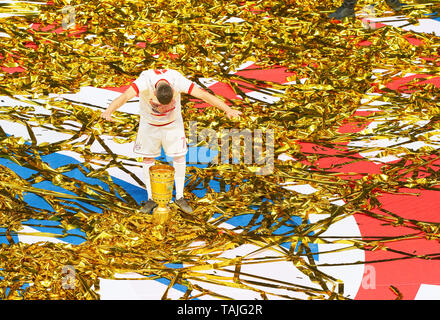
118, 102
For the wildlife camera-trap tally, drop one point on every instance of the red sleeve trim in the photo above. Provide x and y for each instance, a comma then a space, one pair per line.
135, 87
191, 88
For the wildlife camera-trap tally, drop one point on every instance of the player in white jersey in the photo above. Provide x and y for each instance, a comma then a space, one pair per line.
161, 123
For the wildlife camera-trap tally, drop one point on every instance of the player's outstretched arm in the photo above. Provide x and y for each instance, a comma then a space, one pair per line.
118, 102
214, 101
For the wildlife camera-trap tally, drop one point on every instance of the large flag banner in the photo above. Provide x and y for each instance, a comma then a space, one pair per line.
324, 188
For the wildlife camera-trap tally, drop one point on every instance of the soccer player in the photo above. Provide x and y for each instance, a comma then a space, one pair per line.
346, 10
161, 123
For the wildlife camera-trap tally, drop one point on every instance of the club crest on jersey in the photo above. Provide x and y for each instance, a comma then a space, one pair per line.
161, 109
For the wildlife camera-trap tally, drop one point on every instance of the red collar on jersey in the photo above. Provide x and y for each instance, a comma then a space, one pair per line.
155, 86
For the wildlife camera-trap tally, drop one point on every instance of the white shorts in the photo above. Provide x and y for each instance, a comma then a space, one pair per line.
150, 138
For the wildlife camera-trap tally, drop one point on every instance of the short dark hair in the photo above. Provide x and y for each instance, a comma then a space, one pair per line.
164, 93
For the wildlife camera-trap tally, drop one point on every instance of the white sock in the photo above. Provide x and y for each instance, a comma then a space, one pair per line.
147, 178
179, 177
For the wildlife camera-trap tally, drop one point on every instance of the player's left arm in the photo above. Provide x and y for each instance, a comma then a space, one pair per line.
214, 101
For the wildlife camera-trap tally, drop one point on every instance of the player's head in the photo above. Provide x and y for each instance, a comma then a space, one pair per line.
164, 92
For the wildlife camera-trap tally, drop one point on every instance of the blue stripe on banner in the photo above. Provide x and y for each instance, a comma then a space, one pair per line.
22, 288
242, 220
434, 16
73, 236
3, 237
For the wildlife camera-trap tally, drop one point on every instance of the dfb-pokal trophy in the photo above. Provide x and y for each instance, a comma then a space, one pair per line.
162, 184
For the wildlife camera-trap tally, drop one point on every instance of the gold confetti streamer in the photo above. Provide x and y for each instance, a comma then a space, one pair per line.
111, 43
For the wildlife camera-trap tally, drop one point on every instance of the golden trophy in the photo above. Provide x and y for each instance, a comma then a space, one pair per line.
162, 184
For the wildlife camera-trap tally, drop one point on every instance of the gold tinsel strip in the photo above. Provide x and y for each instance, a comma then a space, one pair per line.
111, 43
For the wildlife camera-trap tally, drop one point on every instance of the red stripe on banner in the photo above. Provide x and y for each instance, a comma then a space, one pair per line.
406, 274
118, 89
277, 74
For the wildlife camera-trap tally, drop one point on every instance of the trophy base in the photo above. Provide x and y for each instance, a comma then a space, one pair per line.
161, 215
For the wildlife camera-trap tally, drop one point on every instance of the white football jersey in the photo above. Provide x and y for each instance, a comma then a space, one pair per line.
145, 86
